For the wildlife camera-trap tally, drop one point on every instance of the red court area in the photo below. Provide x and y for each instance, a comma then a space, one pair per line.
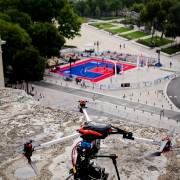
93, 69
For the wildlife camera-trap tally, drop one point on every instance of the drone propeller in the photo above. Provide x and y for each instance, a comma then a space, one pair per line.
147, 155
34, 167
165, 144
172, 132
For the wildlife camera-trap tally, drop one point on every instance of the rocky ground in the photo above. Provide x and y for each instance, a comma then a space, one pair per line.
23, 118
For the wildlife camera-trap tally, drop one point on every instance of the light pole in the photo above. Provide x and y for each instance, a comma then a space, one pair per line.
158, 64
1, 65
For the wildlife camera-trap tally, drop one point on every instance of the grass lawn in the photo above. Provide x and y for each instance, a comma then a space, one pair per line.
109, 18
172, 49
155, 42
118, 30
134, 35
102, 25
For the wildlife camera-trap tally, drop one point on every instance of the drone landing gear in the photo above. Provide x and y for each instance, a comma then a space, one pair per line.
92, 172
113, 157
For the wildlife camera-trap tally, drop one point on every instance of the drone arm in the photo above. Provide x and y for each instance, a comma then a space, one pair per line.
56, 141
86, 115
126, 134
146, 140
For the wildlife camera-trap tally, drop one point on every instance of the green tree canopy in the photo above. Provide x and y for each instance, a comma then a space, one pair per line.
173, 25
137, 7
30, 32
16, 39
5, 17
45, 11
69, 22
28, 65
19, 54
46, 38
23, 19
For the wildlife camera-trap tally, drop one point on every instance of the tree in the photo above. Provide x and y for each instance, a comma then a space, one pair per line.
19, 54
79, 7
28, 65
162, 15
97, 11
172, 27
29, 31
137, 7
5, 17
115, 6
46, 38
45, 11
16, 39
23, 19
149, 14
8, 4
87, 10
161, 18
69, 22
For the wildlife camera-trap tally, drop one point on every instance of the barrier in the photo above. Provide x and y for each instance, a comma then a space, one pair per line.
115, 86
130, 85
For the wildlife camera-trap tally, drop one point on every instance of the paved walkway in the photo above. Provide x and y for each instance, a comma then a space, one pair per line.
90, 34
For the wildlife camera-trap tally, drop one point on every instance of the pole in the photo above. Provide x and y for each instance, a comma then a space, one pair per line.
158, 64
146, 62
137, 62
1, 65
122, 68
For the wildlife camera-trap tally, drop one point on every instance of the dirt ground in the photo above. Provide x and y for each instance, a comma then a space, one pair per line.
23, 118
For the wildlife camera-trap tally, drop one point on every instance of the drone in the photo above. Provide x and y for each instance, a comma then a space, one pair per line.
84, 151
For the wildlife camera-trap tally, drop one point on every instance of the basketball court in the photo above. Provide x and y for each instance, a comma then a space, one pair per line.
94, 69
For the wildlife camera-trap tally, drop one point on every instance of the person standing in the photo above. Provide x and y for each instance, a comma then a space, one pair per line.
170, 64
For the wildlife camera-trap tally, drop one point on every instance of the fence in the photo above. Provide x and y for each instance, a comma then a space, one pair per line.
115, 86
130, 85
133, 115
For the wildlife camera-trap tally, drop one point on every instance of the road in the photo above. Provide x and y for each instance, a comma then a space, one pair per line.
113, 100
173, 91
